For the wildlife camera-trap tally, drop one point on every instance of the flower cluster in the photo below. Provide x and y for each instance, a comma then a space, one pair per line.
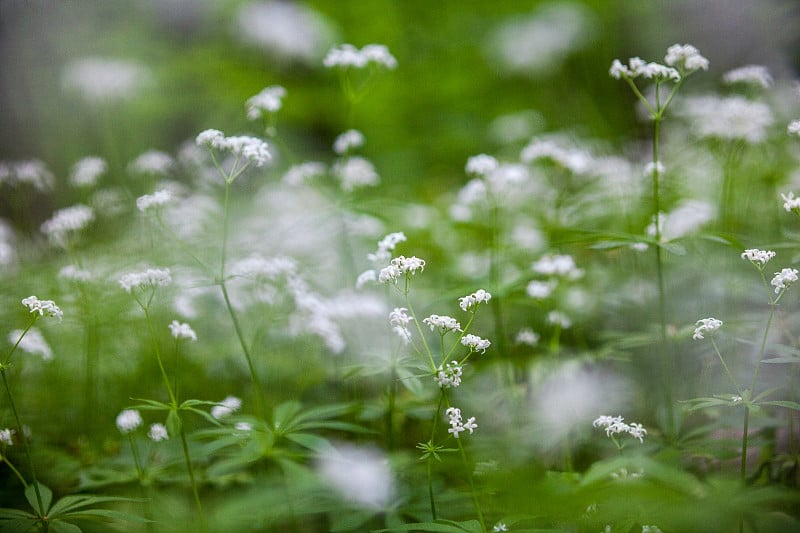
475, 343
155, 200
481, 165
152, 163
43, 307
182, 331
67, 221
385, 246
158, 432
303, 172
347, 141
7, 436
472, 301
557, 265
399, 321
758, 257
444, 323
456, 423
87, 171
32, 342
790, 203
706, 325
448, 376
680, 60
685, 57
615, 425
348, 56
128, 420
354, 172
30, 172
783, 279
251, 148
226, 407
268, 101
749, 74
152, 277
401, 265
793, 128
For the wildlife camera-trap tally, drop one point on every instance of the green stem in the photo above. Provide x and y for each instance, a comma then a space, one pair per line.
494, 275
725, 366
22, 438
14, 469
191, 477
136, 460
430, 487
468, 470
157, 351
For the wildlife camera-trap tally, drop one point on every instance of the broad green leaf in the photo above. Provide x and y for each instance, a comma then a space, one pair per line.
6, 513
19, 525
312, 442
203, 414
173, 423
44, 492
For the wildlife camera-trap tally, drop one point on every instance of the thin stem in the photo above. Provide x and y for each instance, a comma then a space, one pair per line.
471, 484
136, 460
430, 457
725, 366
494, 276
13, 348
21, 433
4, 459
157, 351
191, 477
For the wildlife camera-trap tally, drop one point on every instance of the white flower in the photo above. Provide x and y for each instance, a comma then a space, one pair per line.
251, 148
362, 475
227, 406
7, 436
637, 431
793, 128
128, 420
475, 343
652, 167
472, 301
348, 56
385, 246
33, 342
268, 101
783, 279
449, 376
87, 171
152, 163
182, 331
637, 67
539, 290
527, 336
347, 141
790, 203
105, 80
43, 307
399, 321
444, 323
243, 426
304, 172
155, 200
751, 74
401, 265
732, 117
558, 318
651, 529
355, 172
557, 265
615, 425
685, 57
152, 277
67, 221
500, 526
706, 325
481, 165
73, 273
158, 432
456, 423
619, 71
758, 256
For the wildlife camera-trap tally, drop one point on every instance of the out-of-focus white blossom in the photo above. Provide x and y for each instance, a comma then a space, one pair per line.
128, 420
158, 432
7, 436
104, 80
154, 201
348, 56
152, 277
557, 265
152, 163
790, 203
33, 342
355, 172
783, 279
538, 290
348, 141
749, 74
226, 407
793, 128
731, 117
481, 165
87, 171
66, 222
31, 172
527, 336
265, 103
182, 331
362, 475
302, 173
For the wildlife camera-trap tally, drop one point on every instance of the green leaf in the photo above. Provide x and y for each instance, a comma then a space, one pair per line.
284, 413
441, 526
76, 501
312, 442
104, 514
19, 525
7, 513
44, 492
203, 414
57, 526
150, 405
173, 423
703, 403
781, 403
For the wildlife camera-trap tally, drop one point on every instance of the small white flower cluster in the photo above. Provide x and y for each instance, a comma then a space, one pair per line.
399, 321
152, 163
87, 171
456, 423
43, 307
472, 301
251, 148
386, 246
793, 128
706, 325
156, 200
33, 342
557, 318
443, 322
128, 420
74, 273
401, 265
527, 336
475, 343
500, 526
7, 436
67, 221
348, 141
226, 407
158, 432
104, 80
348, 56
481, 165
448, 376
653, 167
182, 331
731, 117
680, 60
783, 279
539, 290
758, 257
757, 75
31, 172
790, 203
615, 425
557, 265
651, 529
561, 152
152, 277
268, 101
355, 172
303, 172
